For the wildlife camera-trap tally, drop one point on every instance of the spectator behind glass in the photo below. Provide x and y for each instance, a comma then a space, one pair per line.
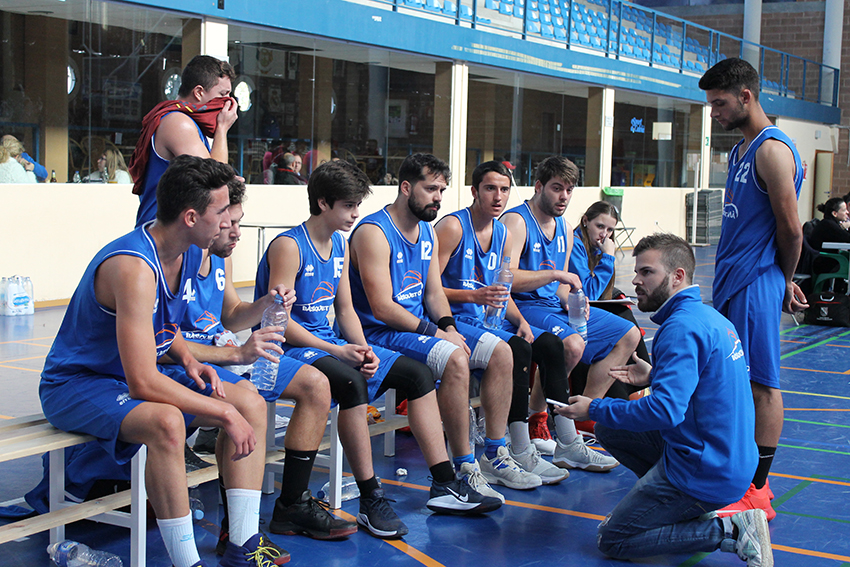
113, 161
28, 162
830, 228
11, 170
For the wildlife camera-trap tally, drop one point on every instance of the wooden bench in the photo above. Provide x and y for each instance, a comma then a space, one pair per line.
33, 435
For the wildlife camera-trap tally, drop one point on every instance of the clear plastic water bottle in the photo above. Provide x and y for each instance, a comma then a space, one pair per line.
264, 374
72, 554
505, 278
475, 436
349, 491
104, 177
77, 178
577, 305
196, 507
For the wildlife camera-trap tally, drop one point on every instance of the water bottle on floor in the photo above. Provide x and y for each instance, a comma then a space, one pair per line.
264, 374
577, 304
349, 487
72, 554
505, 278
196, 507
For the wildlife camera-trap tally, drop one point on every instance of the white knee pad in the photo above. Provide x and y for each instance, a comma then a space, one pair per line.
482, 352
439, 356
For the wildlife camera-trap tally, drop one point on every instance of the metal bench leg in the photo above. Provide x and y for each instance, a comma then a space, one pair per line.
138, 509
335, 486
389, 411
56, 495
268, 477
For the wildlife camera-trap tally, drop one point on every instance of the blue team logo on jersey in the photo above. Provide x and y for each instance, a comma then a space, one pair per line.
736, 351
206, 321
411, 286
323, 294
165, 337
730, 211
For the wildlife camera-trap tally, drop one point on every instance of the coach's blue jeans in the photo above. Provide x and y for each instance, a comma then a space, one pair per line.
655, 517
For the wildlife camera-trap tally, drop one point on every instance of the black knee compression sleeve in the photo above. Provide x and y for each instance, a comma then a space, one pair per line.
547, 352
521, 351
348, 386
410, 378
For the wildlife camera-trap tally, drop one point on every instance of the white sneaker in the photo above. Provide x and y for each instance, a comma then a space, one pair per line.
280, 421
545, 446
577, 455
472, 473
753, 545
531, 461
505, 471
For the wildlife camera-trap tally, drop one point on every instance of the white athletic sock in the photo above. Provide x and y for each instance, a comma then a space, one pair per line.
519, 436
178, 534
565, 429
243, 509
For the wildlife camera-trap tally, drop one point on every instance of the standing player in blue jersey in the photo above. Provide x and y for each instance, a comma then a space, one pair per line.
101, 376
204, 108
542, 242
760, 240
472, 246
398, 295
313, 259
691, 442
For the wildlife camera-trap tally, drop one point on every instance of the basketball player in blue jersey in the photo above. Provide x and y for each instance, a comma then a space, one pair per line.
181, 126
472, 245
542, 241
101, 375
397, 293
313, 258
296, 511
760, 240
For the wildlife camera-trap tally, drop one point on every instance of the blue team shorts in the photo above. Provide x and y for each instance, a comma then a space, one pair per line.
286, 371
431, 351
604, 330
755, 311
387, 359
97, 405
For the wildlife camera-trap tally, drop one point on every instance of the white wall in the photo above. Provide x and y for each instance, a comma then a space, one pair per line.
803, 134
53, 230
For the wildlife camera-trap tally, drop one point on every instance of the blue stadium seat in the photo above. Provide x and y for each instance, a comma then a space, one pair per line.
449, 8
546, 31
465, 12
433, 6
533, 16
628, 50
560, 33
533, 27
491, 4
505, 8
413, 3
518, 11
574, 36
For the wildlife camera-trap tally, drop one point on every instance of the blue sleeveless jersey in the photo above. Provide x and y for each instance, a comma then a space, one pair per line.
87, 343
747, 246
469, 267
541, 253
409, 262
202, 321
154, 170
316, 282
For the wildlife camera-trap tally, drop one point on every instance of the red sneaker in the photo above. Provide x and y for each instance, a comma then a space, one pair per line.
753, 499
586, 426
538, 431
767, 486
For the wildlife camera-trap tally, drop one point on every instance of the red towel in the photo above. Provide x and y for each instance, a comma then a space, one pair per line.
205, 115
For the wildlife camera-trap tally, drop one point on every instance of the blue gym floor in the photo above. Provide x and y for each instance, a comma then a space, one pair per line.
549, 525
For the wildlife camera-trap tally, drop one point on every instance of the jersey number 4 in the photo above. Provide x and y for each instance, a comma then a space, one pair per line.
188, 292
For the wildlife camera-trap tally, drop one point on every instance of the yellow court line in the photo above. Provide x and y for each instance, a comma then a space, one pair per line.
818, 395
820, 480
813, 370
18, 368
788, 341
400, 545
811, 553
42, 357
556, 510
23, 342
838, 346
